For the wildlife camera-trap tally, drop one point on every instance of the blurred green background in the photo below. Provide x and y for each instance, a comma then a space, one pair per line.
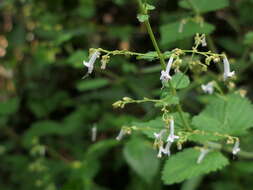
47, 110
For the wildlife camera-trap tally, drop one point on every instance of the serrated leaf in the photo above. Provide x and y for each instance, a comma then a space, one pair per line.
183, 165
232, 115
91, 84
170, 32
203, 6
180, 80
142, 158
142, 17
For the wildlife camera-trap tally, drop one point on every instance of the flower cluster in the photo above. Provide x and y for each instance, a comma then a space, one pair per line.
208, 88
159, 140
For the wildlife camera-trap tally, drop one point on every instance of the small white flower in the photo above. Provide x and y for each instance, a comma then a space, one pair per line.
236, 147
121, 134
167, 148
165, 75
181, 26
203, 41
161, 151
208, 88
90, 63
172, 136
203, 153
227, 72
93, 133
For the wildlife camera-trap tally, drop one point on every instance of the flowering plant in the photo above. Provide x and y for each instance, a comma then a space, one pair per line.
217, 128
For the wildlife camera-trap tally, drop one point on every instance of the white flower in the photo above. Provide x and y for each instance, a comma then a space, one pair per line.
203, 153
158, 136
93, 133
121, 134
227, 72
167, 148
208, 88
236, 147
90, 63
161, 151
172, 136
165, 75
203, 41
181, 26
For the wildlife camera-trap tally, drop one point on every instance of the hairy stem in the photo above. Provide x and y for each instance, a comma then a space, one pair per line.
162, 61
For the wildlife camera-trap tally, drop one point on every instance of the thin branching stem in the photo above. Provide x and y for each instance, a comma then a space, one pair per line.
162, 61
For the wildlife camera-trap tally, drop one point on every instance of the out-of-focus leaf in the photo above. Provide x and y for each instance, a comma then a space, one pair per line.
170, 32
9, 106
203, 6
139, 155
76, 59
248, 38
91, 84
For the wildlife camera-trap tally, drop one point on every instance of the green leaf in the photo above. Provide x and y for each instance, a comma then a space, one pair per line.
149, 7
9, 106
183, 165
76, 59
98, 149
203, 6
248, 38
68, 125
179, 81
142, 158
142, 17
229, 115
170, 32
168, 100
91, 84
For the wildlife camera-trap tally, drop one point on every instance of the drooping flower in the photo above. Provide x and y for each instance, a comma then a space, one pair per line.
208, 88
167, 148
172, 136
121, 134
236, 147
203, 153
203, 41
90, 63
165, 75
227, 72
181, 26
160, 151
93, 133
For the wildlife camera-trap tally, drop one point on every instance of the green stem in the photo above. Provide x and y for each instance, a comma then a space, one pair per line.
152, 36
242, 153
162, 61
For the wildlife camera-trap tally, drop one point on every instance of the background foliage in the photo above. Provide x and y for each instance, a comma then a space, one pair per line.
47, 110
